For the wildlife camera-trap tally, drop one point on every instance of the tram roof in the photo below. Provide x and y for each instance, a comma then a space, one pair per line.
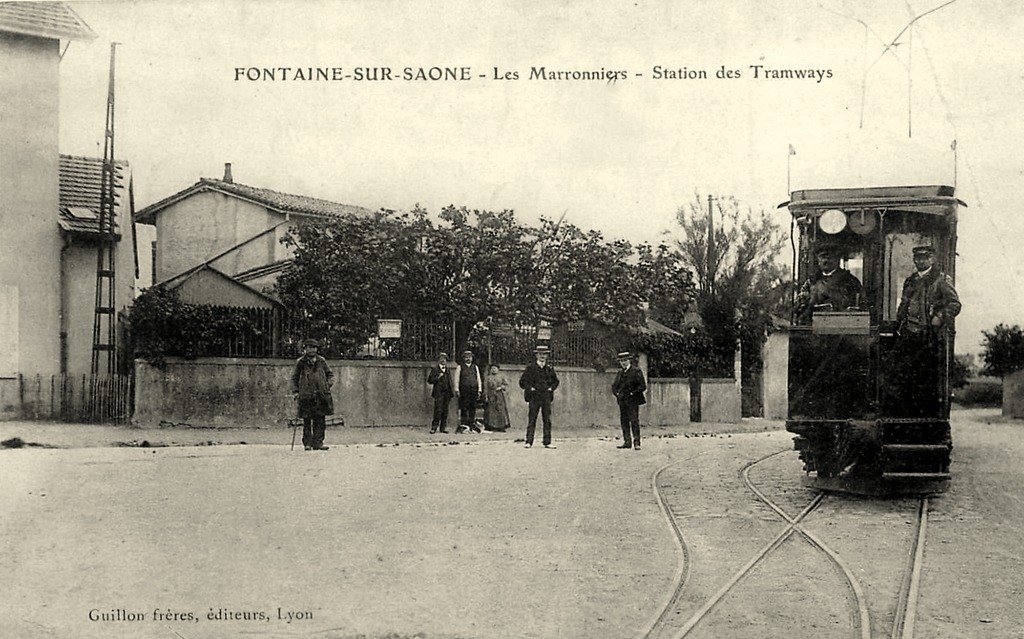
882, 196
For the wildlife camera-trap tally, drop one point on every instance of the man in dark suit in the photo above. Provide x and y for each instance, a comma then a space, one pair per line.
628, 388
539, 382
441, 380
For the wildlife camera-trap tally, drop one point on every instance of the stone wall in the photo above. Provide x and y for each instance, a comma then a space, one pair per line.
257, 393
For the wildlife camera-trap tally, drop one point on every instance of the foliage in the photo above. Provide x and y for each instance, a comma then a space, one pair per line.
739, 285
351, 271
163, 326
961, 370
1003, 350
476, 267
979, 394
685, 355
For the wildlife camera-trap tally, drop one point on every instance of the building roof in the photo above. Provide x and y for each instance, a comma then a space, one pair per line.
652, 327
274, 200
178, 280
81, 181
263, 270
53, 20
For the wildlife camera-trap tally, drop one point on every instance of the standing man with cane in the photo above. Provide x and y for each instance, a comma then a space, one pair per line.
311, 384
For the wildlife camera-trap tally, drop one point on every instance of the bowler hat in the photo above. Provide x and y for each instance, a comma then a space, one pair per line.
826, 249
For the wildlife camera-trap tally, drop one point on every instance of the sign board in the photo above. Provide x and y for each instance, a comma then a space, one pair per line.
841, 323
389, 328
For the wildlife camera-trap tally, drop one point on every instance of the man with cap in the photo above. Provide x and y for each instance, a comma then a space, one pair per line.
628, 388
928, 302
927, 307
311, 385
539, 382
832, 285
440, 379
468, 385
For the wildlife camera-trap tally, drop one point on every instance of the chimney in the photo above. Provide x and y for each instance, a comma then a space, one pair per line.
227, 173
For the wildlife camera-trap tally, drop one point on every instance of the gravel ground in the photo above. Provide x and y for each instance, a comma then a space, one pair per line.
414, 538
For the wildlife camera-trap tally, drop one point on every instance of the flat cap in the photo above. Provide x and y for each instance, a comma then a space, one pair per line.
924, 250
542, 349
309, 341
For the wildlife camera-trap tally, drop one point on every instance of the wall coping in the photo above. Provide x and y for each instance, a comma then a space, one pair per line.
704, 380
355, 363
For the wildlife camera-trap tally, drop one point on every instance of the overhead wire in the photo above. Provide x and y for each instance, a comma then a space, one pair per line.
978, 202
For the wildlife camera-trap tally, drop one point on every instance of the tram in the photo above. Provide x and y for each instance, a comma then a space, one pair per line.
869, 394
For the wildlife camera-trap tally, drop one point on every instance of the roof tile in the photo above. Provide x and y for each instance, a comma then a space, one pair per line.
284, 202
81, 181
45, 20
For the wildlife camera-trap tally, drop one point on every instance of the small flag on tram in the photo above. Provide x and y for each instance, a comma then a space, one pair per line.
792, 151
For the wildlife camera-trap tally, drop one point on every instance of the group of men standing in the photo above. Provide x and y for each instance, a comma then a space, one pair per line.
312, 380
539, 382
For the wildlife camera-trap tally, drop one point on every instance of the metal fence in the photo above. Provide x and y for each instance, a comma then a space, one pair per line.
266, 332
274, 332
73, 398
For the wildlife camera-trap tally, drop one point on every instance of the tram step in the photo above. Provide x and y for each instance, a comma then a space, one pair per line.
916, 475
915, 447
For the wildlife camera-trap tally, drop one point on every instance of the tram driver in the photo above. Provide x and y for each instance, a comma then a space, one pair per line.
832, 289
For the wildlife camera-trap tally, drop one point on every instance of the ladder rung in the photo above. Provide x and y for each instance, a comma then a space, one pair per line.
102, 347
105, 273
105, 309
916, 475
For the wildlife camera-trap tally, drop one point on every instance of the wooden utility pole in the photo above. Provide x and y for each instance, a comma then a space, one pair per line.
711, 248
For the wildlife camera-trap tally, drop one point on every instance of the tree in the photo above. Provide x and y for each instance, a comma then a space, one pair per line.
961, 370
739, 284
475, 267
481, 268
1003, 350
351, 271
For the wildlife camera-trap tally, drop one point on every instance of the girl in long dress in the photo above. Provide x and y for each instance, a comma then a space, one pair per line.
497, 391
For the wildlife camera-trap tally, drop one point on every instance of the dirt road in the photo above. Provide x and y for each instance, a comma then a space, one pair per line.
485, 539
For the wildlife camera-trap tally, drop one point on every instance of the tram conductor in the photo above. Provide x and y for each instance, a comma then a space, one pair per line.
924, 318
929, 302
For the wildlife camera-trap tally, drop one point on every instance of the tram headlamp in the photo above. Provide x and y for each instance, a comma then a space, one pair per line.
832, 221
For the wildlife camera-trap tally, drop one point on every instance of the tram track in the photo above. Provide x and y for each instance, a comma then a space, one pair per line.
904, 619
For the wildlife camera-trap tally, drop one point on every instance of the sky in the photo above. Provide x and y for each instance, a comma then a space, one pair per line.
617, 156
